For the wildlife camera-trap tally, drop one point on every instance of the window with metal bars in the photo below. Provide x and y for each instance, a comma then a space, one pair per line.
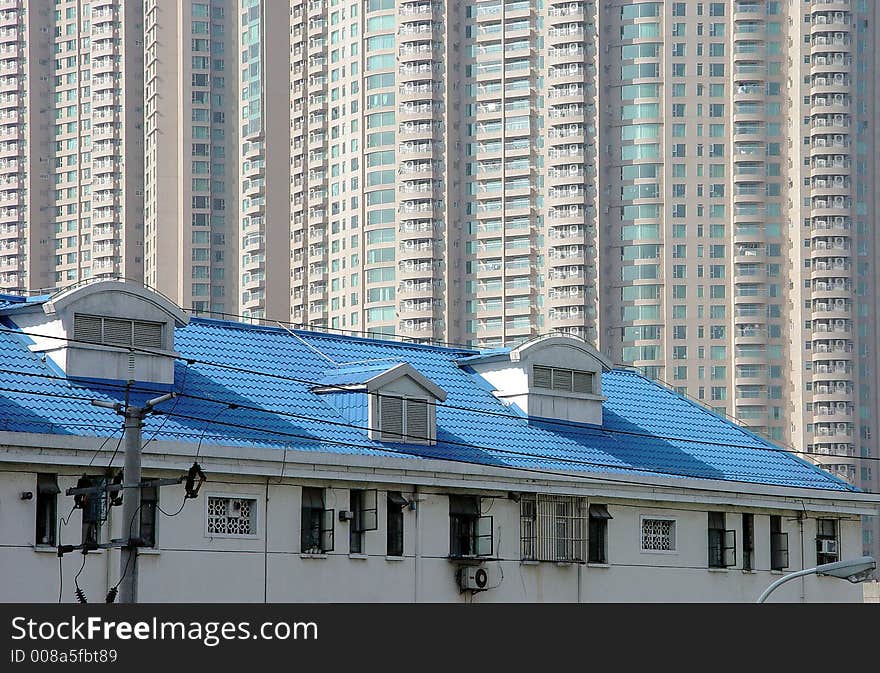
317, 527
658, 534
47, 509
722, 542
553, 528
778, 544
748, 521
405, 419
117, 331
827, 543
556, 378
469, 533
363, 518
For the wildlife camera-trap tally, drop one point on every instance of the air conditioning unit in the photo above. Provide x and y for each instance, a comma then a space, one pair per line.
838, 99
476, 578
828, 546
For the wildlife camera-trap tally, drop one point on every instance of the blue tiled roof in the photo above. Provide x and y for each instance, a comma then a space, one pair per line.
647, 429
355, 374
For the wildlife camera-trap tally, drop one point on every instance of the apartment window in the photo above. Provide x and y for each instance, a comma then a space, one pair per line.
778, 544
469, 533
722, 542
658, 534
149, 503
232, 516
364, 518
748, 523
553, 528
394, 523
597, 534
555, 378
47, 510
317, 526
404, 419
827, 543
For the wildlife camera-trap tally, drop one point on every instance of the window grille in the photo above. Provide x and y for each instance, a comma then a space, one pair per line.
553, 528
555, 378
231, 516
47, 508
658, 535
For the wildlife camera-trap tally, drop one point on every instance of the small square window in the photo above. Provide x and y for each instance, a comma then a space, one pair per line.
658, 534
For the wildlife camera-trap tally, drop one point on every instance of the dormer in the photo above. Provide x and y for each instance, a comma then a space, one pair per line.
106, 329
554, 376
396, 401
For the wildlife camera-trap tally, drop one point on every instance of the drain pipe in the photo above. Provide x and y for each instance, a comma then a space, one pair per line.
416, 573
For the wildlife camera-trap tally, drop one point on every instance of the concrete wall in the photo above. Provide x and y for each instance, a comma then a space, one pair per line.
191, 566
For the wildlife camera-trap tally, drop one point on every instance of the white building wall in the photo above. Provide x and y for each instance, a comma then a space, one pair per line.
191, 566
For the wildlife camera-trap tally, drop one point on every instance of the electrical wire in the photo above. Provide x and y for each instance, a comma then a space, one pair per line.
559, 422
500, 414
62, 523
547, 459
411, 453
80, 594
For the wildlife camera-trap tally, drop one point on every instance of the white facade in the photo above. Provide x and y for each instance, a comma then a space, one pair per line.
190, 565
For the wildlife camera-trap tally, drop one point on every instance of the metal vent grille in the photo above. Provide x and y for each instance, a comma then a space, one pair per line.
87, 328
117, 332
417, 420
583, 382
147, 334
542, 377
391, 418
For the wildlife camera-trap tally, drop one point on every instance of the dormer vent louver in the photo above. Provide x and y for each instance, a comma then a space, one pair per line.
117, 331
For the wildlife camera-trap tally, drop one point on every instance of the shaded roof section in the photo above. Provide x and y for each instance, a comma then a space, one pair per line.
647, 429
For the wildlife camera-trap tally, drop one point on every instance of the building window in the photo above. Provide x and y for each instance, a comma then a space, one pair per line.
748, 522
47, 510
778, 544
553, 528
658, 535
232, 516
317, 527
827, 543
405, 419
149, 502
363, 518
722, 542
598, 534
394, 542
469, 533
554, 378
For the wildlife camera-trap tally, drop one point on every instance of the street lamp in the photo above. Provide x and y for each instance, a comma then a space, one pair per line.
855, 570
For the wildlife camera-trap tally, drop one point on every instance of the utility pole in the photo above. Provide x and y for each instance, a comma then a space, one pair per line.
134, 420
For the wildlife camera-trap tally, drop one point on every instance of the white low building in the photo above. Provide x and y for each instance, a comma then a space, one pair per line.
350, 469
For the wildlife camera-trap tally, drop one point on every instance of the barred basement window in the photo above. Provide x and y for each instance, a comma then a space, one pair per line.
232, 516
658, 534
553, 528
555, 378
117, 331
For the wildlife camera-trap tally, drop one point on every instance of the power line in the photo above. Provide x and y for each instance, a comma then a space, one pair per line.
532, 457
765, 446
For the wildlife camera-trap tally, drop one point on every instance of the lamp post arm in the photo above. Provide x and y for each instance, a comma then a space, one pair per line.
783, 580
